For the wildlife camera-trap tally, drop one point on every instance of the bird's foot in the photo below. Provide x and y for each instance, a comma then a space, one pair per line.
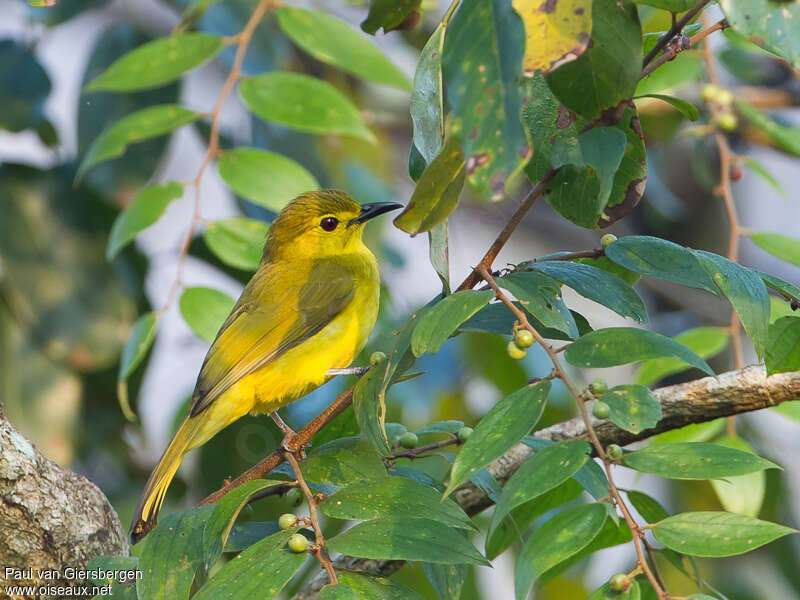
291, 440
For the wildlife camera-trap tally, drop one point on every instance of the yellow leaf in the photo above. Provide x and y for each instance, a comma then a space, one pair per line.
557, 32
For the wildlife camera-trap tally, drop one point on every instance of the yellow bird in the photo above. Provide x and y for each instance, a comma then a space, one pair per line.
309, 308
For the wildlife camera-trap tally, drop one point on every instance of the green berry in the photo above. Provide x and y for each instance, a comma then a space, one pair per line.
298, 543
607, 240
710, 91
598, 387
724, 97
463, 434
601, 410
408, 440
294, 497
727, 121
377, 358
613, 451
515, 351
619, 582
523, 338
287, 521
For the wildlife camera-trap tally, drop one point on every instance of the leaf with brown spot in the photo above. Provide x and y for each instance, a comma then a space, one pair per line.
557, 32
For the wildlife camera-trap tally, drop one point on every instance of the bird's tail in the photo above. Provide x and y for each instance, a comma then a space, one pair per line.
146, 515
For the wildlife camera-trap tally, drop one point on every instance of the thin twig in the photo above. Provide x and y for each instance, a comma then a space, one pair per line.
321, 552
505, 234
677, 49
734, 230
413, 453
673, 31
636, 532
242, 42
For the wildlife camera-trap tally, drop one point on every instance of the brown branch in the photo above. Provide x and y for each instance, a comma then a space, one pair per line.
697, 401
242, 42
636, 533
676, 28
302, 439
505, 234
677, 49
320, 551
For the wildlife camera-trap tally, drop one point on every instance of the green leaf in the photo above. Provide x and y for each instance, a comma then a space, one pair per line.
177, 542
205, 310
447, 580
157, 63
244, 535
783, 346
633, 407
614, 346
599, 148
146, 209
695, 460
779, 285
648, 507
556, 35
496, 318
716, 534
502, 427
25, 87
387, 14
246, 576
781, 246
746, 292
219, 524
771, 25
703, 341
596, 284
139, 126
607, 73
696, 432
237, 241
343, 461
265, 178
427, 99
407, 539
369, 404
743, 494
303, 103
443, 318
675, 6
139, 342
482, 60
544, 471
541, 296
336, 43
554, 542
439, 254
687, 109
395, 497
654, 257
766, 175
441, 427
437, 192
355, 586
781, 136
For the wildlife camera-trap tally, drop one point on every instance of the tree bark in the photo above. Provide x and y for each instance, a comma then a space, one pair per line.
50, 518
697, 401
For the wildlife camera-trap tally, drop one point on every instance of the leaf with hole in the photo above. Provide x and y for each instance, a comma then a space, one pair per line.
157, 63
238, 241
336, 43
695, 460
716, 534
265, 178
304, 103
614, 346
502, 427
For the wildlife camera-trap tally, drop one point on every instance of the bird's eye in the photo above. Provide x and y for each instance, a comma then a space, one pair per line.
329, 223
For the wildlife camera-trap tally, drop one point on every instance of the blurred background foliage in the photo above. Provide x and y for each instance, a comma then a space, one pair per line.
66, 311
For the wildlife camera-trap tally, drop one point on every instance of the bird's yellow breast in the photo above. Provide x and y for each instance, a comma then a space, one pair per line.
303, 368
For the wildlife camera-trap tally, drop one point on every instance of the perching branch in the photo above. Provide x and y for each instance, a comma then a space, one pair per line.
676, 28
697, 401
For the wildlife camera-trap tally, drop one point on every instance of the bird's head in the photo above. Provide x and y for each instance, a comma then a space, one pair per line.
321, 223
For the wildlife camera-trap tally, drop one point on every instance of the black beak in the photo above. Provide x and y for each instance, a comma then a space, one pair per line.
373, 209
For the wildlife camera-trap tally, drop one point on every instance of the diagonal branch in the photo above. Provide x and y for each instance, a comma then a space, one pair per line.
697, 401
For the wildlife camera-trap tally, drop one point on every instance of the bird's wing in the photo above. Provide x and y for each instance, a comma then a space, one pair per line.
266, 322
